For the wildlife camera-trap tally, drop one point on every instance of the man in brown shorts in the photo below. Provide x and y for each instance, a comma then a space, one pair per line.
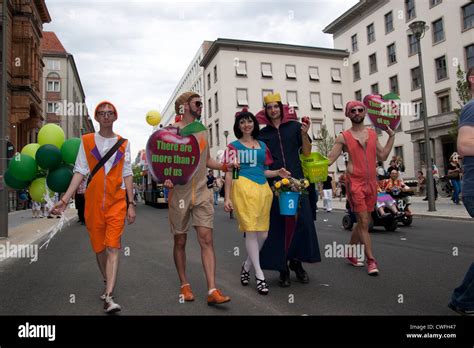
192, 203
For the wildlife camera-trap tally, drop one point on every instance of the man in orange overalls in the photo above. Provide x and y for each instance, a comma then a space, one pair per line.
106, 206
363, 147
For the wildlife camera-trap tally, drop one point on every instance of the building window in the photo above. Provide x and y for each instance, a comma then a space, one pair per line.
216, 102
242, 97
374, 88
433, 3
356, 70
53, 64
313, 73
209, 107
338, 128
336, 75
391, 54
415, 78
266, 70
358, 95
468, 16
337, 101
292, 99
393, 82
218, 142
355, 46
316, 129
315, 98
215, 73
209, 81
370, 33
241, 68
438, 30
211, 140
469, 56
398, 151
444, 102
388, 22
53, 86
419, 109
52, 108
441, 69
266, 92
290, 71
410, 9
412, 45
373, 63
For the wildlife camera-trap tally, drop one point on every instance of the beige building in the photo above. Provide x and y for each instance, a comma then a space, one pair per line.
63, 94
192, 80
240, 73
383, 58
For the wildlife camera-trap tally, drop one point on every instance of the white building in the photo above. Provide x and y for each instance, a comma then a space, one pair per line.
240, 73
63, 94
192, 80
383, 58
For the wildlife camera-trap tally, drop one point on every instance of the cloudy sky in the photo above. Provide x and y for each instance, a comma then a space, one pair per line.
134, 52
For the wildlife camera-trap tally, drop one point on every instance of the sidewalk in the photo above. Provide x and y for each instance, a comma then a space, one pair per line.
23, 229
445, 208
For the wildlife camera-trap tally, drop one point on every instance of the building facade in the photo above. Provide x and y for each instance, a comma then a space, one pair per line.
383, 58
240, 73
63, 94
192, 80
24, 32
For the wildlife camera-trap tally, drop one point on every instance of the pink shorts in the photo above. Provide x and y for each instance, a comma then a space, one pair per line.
362, 196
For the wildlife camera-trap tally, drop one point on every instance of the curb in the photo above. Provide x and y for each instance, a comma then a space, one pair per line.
424, 216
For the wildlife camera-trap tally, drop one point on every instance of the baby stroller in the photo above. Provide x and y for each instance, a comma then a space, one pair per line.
389, 222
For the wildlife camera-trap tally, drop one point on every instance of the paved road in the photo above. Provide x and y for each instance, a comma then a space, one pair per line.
416, 262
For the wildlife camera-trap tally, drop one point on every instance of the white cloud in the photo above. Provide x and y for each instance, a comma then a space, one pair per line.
134, 53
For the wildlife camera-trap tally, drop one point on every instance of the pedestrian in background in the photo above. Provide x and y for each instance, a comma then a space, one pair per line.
328, 191
454, 175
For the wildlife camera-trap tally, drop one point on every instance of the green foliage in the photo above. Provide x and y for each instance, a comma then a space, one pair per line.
325, 142
464, 96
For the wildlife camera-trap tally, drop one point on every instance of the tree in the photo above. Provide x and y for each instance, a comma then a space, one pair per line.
464, 97
325, 141
137, 173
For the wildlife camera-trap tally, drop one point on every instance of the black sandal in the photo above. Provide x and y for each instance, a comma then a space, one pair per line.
262, 286
244, 276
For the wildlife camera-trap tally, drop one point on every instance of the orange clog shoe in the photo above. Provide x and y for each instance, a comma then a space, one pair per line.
187, 293
216, 297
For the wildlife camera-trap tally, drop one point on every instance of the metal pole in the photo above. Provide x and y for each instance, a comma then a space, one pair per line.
429, 169
3, 123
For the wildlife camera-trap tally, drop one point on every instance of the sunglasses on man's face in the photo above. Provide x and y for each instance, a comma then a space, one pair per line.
198, 104
360, 110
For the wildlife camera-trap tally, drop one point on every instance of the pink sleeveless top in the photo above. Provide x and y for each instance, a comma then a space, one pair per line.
363, 160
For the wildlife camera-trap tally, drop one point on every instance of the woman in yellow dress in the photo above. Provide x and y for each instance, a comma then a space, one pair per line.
249, 193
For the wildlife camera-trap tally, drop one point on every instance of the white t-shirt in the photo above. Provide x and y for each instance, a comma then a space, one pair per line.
103, 145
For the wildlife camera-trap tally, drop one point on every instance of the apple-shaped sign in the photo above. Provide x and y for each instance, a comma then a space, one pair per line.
382, 112
172, 156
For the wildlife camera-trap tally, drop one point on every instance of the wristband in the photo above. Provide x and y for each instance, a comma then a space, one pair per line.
224, 167
62, 200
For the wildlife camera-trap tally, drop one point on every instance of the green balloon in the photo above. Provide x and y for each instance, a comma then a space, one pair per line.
14, 183
51, 134
30, 150
23, 167
37, 190
70, 149
48, 157
59, 179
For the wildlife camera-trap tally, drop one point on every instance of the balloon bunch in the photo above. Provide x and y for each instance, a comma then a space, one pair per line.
45, 166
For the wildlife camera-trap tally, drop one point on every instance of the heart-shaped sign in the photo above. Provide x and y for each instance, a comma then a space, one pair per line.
172, 156
382, 112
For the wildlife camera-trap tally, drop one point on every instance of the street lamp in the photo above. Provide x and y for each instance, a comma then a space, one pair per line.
418, 29
226, 134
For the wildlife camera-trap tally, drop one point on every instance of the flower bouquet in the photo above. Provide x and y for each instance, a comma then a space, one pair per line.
289, 190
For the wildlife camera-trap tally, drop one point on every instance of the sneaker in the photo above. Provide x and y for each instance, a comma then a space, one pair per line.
354, 261
460, 310
104, 295
187, 293
372, 269
216, 297
110, 306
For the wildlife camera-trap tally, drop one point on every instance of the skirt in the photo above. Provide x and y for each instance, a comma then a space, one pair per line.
252, 203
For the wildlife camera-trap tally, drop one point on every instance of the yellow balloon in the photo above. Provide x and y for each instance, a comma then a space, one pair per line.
153, 118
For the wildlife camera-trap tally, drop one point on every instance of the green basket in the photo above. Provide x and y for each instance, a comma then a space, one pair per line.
315, 167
